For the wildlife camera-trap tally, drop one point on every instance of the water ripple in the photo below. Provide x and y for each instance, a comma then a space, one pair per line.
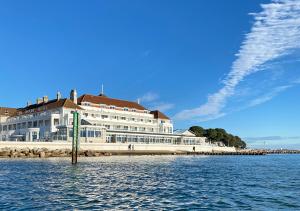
151, 183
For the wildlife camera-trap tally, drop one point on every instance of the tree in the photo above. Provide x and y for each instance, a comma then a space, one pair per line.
219, 135
198, 131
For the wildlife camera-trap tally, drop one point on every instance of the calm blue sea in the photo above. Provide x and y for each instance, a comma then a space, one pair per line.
269, 182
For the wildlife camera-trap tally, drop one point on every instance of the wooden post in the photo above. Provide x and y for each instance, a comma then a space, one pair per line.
75, 137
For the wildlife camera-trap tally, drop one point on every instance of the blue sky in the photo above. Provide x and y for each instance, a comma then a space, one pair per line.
217, 63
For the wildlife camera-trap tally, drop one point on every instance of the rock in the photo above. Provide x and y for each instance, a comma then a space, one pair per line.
107, 154
4, 153
42, 154
21, 155
88, 153
30, 155
25, 150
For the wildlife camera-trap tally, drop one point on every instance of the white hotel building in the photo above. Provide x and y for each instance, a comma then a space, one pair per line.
103, 120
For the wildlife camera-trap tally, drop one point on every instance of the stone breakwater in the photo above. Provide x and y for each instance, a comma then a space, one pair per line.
47, 153
44, 153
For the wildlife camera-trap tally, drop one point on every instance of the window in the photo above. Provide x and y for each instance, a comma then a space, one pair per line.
47, 122
56, 121
91, 133
112, 107
41, 123
125, 127
123, 118
125, 109
104, 116
82, 133
97, 134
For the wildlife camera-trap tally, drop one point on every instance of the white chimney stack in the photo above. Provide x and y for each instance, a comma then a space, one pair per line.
73, 96
45, 99
39, 100
58, 96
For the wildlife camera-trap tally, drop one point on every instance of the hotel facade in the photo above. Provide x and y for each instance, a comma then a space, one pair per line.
102, 120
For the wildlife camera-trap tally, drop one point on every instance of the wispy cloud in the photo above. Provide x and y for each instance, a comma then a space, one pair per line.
267, 97
272, 138
275, 142
161, 106
152, 100
149, 97
146, 53
275, 33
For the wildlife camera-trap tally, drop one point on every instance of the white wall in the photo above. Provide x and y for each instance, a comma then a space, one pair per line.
114, 146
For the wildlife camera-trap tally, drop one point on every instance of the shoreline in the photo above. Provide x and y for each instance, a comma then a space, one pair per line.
46, 153
63, 149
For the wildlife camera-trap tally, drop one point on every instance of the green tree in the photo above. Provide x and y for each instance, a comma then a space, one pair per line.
198, 131
219, 135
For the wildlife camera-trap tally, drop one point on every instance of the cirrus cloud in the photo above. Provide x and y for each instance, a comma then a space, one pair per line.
274, 34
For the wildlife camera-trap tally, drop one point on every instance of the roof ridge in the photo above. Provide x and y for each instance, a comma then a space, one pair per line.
95, 99
110, 98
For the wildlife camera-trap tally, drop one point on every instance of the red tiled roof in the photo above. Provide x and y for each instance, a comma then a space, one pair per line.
109, 101
52, 104
159, 115
7, 111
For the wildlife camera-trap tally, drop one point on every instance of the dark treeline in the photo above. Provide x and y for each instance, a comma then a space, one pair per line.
219, 135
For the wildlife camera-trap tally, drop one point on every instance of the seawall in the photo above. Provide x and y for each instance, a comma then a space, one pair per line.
63, 149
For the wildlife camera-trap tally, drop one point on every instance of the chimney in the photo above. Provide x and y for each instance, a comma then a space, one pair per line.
73, 96
39, 100
28, 103
45, 99
138, 100
58, 96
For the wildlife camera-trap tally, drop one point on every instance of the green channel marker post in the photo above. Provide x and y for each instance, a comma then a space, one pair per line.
75, 140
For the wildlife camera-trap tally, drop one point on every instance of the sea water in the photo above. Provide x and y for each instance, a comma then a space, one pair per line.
268, 182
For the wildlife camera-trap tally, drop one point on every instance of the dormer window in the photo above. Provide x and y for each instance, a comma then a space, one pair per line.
125, 109
112, 107
133, 110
